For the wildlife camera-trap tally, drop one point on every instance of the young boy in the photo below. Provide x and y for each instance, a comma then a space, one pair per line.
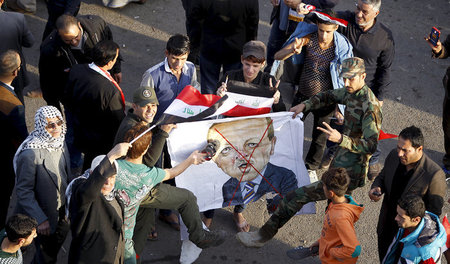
338, 242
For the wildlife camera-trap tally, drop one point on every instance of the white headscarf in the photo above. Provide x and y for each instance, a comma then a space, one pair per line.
39, 138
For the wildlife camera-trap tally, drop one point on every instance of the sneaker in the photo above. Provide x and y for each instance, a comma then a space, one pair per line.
374, 170
302, 252
212, 239
312, 176
251, 239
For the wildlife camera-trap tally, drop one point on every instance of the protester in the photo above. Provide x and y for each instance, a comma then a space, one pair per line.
373, 42
338, 241
144, 108
96, 212
95, 101
320, 50
284, 24
15, 35
222, 28
20, 230
42, 166
135, 180
362, 124
253, 60
12, 117
70, 44
421, 237
442, 51
168, 78
407, 170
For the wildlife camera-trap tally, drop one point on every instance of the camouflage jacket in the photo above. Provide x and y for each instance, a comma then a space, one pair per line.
362, 124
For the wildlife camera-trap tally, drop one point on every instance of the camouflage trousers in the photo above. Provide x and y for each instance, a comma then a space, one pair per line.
293, 202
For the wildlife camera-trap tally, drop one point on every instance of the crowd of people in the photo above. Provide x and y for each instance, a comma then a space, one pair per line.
91, 166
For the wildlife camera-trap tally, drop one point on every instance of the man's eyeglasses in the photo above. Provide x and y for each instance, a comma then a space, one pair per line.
53, 125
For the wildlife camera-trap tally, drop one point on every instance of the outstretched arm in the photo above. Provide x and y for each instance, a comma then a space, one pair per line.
195, 158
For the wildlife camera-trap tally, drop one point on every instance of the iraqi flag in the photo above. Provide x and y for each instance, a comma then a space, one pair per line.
250, 99
326, 17
190, 105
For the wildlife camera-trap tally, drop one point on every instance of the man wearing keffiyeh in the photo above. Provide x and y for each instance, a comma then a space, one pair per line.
42, 169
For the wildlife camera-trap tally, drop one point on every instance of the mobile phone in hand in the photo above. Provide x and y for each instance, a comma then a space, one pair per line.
434, 36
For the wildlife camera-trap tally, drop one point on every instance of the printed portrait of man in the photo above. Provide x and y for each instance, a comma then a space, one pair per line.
243, 149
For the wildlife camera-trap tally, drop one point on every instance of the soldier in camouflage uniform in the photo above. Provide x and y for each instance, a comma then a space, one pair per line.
359, 140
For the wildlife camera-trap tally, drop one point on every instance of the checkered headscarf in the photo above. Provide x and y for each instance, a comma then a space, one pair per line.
39, 138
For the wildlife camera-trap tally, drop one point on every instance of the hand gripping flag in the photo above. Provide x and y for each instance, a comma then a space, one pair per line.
190, 105
250, 99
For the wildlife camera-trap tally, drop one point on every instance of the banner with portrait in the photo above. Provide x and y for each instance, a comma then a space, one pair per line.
251, 158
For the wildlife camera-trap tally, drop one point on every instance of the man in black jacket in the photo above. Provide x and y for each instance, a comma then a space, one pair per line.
95, 101
71, 43
96, 214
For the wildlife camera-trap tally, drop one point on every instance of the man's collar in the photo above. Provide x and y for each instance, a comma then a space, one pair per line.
7, 86
168, 70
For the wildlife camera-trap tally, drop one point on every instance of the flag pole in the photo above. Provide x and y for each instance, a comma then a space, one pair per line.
143, 133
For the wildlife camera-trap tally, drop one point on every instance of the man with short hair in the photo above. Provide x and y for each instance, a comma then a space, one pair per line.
12, 117
421, 237
135, 182
407, 170
320, 49
95, 101
168, 78
362, 124
20, 230
373, 42
70, 44
143, 110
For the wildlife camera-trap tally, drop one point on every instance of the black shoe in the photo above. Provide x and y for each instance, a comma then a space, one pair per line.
212, 239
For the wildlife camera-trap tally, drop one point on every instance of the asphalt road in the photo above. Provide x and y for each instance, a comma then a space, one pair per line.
414, 98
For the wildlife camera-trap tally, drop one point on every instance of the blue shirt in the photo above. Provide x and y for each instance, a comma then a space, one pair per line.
166, 85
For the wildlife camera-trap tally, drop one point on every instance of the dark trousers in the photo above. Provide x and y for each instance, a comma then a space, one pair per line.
47, 247
293, 202
446, 128
385, 238
210, 73
319, 139
168, 197
277, 38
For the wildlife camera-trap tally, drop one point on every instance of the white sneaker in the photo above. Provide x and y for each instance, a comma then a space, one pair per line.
312, 175
251, 239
